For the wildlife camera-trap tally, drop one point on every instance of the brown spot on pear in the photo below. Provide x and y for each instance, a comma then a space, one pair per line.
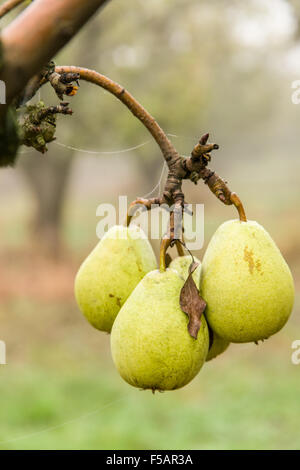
242, 304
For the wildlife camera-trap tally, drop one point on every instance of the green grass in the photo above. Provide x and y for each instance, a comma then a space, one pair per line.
247, 400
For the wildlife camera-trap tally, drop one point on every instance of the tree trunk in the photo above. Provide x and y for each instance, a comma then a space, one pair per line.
48, 179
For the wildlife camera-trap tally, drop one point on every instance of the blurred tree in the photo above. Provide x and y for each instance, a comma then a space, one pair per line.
295, 4
198, 68
47, 178
21, 59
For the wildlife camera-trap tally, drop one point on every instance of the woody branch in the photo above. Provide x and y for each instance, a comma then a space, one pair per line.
8, 6
180, 168
48, 23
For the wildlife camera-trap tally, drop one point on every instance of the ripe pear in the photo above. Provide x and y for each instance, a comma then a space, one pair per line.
151, 346
219, 345
111, 272
246, 283
181, 264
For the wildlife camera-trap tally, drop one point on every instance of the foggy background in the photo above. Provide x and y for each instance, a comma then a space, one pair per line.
224, 67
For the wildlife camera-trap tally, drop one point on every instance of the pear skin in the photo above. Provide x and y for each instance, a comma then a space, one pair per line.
219, 345
111, 272
246, 283
151, 346
181, 264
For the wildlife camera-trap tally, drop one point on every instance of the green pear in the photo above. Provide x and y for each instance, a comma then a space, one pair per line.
111, 272
150, 343
246, 283
219, 345
181, 264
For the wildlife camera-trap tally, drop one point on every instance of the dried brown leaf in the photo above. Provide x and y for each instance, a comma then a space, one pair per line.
192, 303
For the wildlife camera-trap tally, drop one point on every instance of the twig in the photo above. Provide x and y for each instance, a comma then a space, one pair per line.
170, 240
8, 6
146, 203
180, 168
61, 108
168, 150
26, 47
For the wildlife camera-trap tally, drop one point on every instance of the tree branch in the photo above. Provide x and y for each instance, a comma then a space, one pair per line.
168, 150
180, 168
8, 6
36, 35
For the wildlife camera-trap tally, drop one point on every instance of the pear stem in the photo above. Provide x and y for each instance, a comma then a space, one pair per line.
165, 243
147, 203
240, 208
180, 249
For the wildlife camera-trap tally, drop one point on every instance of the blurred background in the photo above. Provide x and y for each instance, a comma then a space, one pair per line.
224, 67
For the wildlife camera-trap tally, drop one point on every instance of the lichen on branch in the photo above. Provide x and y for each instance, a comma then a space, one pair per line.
38, 124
